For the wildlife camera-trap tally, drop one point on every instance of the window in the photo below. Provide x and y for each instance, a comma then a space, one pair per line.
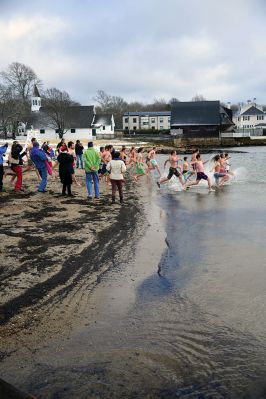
73, 130
134, 120
161, 127
145, 123
153, 127
134, 127
161, 120
57, 131
246, 118
42, 131
260, 117
103, 127
152, 120
126, 127
126, 120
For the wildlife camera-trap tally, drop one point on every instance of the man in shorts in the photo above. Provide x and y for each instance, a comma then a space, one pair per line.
199, 166
174, 169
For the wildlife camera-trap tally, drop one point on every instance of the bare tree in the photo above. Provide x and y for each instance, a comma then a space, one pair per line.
198, 97
173, 100
20, 79
55, 112
12, 111
114, 105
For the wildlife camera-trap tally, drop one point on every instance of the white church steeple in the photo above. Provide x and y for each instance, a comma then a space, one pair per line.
35, 99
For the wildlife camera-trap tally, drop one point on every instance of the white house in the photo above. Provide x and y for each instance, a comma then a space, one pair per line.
250, 116
84, 122
147, 120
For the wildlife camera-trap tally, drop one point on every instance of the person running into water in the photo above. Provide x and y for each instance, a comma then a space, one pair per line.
132, 156
117, 167
199, 166
153, 164
194, 158
140, 171
123, 155
187, 173
227, 165
173, 170
220, 177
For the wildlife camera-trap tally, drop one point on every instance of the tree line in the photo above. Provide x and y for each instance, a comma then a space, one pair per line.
16, 88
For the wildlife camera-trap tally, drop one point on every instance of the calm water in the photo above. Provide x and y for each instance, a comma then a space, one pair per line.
195, 332
208, 313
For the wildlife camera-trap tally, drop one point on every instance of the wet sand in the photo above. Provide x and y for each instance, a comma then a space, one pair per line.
54, 251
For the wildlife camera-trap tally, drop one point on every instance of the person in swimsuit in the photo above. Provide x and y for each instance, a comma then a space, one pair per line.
187, 173
132, 156
173, 170
227, 165
140, 171
106, 157
199, 166
220, 177
123, 155
153, 164
193, 158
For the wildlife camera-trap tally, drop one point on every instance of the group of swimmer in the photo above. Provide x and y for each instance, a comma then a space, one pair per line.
195, 167
108, 165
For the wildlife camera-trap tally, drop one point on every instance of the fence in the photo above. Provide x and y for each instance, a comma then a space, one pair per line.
243, 133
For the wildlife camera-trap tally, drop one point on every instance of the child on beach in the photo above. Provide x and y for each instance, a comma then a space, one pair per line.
199, 166
173, 170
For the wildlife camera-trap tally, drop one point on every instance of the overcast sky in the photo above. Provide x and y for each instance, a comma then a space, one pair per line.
140, 49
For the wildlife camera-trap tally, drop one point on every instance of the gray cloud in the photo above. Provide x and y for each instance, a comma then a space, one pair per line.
140, 49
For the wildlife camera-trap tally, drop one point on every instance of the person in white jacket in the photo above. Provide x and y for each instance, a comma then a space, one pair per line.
116, 167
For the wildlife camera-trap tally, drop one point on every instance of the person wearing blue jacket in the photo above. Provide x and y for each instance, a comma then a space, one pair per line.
2, 152
39, 158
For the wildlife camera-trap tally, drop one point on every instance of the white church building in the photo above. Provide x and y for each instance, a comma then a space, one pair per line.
85, 123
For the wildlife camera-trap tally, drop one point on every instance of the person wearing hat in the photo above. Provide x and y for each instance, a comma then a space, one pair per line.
92, 160
39, 158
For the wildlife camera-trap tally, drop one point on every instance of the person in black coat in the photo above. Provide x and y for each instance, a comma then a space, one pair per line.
66, 170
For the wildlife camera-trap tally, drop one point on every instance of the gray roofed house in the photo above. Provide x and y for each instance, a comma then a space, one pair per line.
103, 119
199, 119
250, 116
78, 121
253, 111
